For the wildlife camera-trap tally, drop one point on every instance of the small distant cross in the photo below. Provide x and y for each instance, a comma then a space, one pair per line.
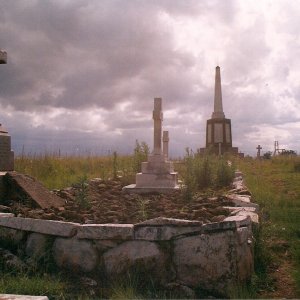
258, 150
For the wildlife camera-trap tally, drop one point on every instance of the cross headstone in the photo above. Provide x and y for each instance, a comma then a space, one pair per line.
258, 151
157, 118
166, 144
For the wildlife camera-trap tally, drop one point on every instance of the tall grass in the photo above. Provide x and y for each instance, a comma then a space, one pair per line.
275, 186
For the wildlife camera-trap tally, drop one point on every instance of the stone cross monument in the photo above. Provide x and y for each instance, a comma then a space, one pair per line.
6, 154
166, 144
258, 151
157, 173
218, 128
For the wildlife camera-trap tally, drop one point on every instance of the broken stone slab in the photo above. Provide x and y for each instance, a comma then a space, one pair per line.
75, 254
27, 187
106, 231
22, 297
235, 210
58, 228
240, 221
254, 216
242, 200
228, 223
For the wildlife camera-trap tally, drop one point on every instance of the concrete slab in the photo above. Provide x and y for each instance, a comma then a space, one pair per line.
33, 190
132, 189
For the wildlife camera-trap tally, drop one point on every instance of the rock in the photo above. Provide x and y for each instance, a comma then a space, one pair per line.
75, 254
11, 236
104, 245
36, 246
11, 261
205, 260
146, 257
27, 187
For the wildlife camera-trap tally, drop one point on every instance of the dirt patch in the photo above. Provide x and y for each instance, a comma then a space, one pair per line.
99, 202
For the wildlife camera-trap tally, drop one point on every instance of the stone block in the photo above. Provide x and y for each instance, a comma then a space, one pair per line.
156, 180
11, 236
75, 254
138, 255
244, 254
106, 231
242, 200
205, 260
58, 228
36, 245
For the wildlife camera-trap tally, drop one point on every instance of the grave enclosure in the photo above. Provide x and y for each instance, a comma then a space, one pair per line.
172, 252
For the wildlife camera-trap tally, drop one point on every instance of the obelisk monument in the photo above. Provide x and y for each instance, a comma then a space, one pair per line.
218, 128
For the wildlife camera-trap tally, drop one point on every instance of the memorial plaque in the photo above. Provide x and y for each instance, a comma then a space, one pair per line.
218, 133
209, 133
227, 131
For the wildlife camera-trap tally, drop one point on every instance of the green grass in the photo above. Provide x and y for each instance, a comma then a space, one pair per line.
58, 172
32, 285
275, 187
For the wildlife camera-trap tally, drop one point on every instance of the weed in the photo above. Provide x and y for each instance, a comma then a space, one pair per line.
142, 208
81, 196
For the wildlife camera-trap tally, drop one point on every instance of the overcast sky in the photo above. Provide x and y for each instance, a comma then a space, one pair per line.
82, 75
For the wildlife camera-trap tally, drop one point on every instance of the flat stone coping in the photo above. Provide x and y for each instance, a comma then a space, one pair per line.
2, 174
106, 232
132, 189
58, 228
22, 297
152, 230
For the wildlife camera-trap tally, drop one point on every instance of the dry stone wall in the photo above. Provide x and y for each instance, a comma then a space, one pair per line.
212, 256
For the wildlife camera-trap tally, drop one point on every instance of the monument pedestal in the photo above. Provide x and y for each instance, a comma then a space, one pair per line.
157, 173
6, 154
218, 128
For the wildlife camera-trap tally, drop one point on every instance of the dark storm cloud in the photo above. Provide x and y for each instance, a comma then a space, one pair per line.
75, 55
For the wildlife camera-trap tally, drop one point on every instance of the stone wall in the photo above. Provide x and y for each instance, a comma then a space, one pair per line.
175, 252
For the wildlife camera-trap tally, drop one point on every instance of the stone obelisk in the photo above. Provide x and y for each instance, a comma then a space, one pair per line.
157, 173
218, 105
218, 128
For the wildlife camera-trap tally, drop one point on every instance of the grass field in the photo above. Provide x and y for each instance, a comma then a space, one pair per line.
275, 185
